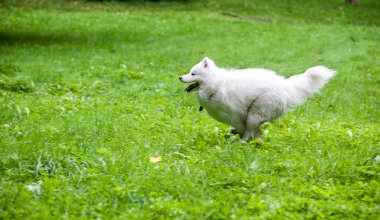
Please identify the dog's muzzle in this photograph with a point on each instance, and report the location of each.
(191, 87)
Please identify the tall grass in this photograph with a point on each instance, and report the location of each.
(89, 94)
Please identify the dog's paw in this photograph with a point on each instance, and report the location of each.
(234, 131)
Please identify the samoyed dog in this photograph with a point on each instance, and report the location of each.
(246, 98)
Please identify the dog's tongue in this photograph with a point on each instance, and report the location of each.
(192, 87)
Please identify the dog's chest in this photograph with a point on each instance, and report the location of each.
(208, 98)
(219, 106)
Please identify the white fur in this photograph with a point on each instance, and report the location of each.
(247, 98)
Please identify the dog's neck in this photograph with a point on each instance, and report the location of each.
(212, 84)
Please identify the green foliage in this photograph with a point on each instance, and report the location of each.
(89, 94)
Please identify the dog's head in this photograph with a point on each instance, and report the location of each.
(199, 74)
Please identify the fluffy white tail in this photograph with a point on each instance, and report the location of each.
(304, 85)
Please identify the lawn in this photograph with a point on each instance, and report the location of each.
(94, 123)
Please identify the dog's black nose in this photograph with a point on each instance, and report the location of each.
(180, 78)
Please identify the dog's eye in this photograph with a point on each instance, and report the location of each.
(192, 74)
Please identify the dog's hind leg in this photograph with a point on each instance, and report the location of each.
(253, 119)
(258, 133)
(252, 129)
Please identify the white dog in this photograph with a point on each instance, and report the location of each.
(247, 98)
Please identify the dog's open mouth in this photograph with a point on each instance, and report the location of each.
(192, 87)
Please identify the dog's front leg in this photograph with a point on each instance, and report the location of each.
(234, 131)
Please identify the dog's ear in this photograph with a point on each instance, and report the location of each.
(206, 62)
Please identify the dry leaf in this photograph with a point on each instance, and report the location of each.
(155, 159)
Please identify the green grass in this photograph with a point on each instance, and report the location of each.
(89, 92)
